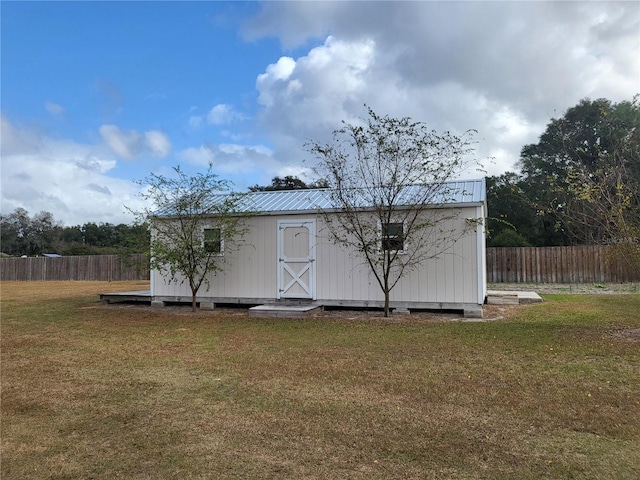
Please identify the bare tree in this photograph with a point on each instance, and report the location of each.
(385, 177)
(194, 222)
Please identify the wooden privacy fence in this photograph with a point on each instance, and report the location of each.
(86, 267)
(584, 264)
(581, 264)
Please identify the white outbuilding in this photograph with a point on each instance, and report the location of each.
(287, 257)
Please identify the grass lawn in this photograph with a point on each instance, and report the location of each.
(93, 391)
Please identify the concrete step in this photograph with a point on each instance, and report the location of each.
(283, 310)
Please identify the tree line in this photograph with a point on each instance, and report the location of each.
(23, 234)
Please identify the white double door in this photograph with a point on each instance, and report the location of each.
(297, 259)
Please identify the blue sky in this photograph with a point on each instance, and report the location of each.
(95, 95)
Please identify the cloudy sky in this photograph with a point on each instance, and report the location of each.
(97, 95)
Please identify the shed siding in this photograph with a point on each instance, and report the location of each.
(251, 270)
(248, 271)
(451, 278)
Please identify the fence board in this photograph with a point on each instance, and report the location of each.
(86, 267)
(577, 264)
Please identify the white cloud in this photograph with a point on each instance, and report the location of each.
(158, 143)
(53, 108)
(221, 114)
(300, 171)
(202, 155)
(124, 144)
(502, 68)
(130, 144)
(276, 72)
(15, 139)
(71, 180)
(317, 90)
(230, 158)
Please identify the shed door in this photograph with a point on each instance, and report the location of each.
(296, 259)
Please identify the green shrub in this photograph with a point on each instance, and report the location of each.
(509, 238)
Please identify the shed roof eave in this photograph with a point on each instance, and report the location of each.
(315, 211)
(364, 209)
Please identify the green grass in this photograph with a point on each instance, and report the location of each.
(97, 391)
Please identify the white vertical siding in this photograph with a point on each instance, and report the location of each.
(450, 278)
(249, 270)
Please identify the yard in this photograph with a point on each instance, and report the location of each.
(94, 391)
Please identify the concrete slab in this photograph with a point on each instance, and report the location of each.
(283, 311)
(502, 298)
(507, 297)
(136, 296)
(529, 297)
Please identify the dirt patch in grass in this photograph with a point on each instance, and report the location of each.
(118, 391)
(628, 334)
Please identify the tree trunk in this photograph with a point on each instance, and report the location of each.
(193, 301)
(386, 295)
(385, 276)
(386, 303)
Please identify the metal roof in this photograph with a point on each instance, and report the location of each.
(451, 193)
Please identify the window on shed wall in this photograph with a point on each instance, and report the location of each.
(213, 240)
(392, 237)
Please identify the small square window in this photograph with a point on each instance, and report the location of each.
(393, 237)
(213, 240)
